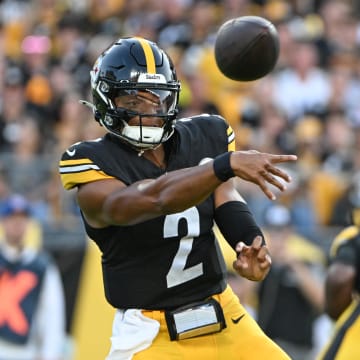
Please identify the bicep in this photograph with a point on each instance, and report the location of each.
(111, 202)
(92, 196)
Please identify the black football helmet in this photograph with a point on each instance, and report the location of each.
(130, 65)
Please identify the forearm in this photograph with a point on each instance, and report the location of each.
(172, 192)
(237, 223)
(181, 189)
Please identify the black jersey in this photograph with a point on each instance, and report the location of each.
(170, 260)
(346, 249)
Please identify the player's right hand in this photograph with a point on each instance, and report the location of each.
(260, 169)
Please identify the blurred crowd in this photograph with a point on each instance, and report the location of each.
(309, 105)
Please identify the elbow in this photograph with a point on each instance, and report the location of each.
(113, 214)
(168, 203)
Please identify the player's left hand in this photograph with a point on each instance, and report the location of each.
(253, 262)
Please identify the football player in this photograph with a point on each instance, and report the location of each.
(149, 192)
(342, 289)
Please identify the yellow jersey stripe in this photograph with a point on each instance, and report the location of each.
(70, 180)
(231, 139)
(149, 56)
(75, 162)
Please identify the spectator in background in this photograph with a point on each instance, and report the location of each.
(27, 168)
(32, 318)
(269, 129)
(349, 199)
(291, 297)
(303, 87)
(199, 103)
(338, 144)
(13, 105)
(172, 25)
(308, 134)
(339, 27)
(345, 86)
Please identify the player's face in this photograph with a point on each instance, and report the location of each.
(143, 102)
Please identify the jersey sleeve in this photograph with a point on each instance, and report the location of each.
(222, 123)
(218, 132)
(77, 167)
(343, 248)
(231, 138)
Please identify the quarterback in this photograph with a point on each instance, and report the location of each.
(149, 192)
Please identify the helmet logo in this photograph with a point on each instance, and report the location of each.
(94, 73)
(152, 78)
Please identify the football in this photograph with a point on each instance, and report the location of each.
(246, 48)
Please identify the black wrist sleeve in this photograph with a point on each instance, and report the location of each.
(236, 223)
(222, 167)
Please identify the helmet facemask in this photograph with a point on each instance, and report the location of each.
(117, 119)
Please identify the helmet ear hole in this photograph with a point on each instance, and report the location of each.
(111, 121)
(97, 115)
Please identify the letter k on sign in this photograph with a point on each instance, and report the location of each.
(13, 289)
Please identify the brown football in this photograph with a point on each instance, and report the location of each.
(246, 48)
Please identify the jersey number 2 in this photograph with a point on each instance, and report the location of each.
(177, 273)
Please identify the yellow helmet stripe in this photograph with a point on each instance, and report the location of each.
(149, 56)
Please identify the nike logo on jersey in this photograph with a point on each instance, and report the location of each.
(71, 152)
(235, 321)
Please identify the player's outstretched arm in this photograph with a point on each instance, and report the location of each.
(175, 191)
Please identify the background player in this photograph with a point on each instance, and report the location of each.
(342, 292)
